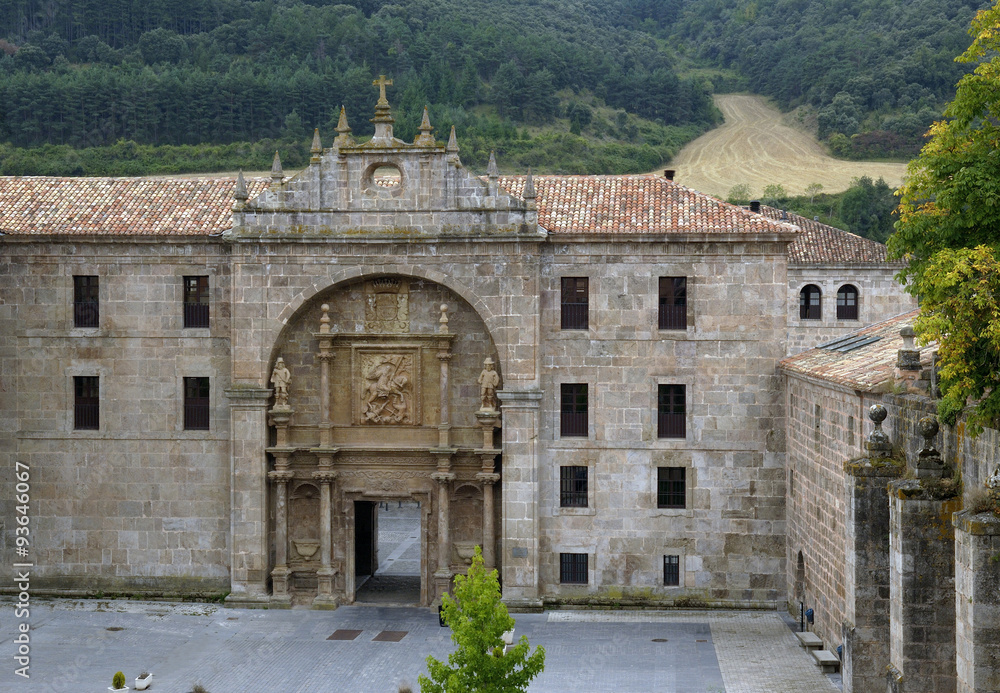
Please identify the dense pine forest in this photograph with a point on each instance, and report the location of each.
(124, 87)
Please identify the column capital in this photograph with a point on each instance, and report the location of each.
(325, 476)
(443, 477)
(488, 478)
(280, 476)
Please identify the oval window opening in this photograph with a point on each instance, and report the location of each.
(386, 177)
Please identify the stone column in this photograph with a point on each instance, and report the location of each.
(922, 578)
(248, 496)
(977, 601)
(279, 575)
(442, 576)
(324, 594)
(444, 357)
(866, 579)
(521, 428)
(325, 362)
(488, 480)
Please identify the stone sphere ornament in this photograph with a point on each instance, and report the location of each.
(877, 413)
(928, 427)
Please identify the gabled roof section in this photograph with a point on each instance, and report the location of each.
(863, 361)
(822, 244)
(635, 205)
(32, 205)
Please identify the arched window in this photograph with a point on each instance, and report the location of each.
(847, 303)
(809, 303)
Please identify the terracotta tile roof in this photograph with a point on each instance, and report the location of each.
(636, 205)
(822, 244)
(118, 206)
(864, 368)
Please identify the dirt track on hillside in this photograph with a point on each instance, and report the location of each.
(754, 147)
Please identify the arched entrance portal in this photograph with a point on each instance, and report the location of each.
(384, 394)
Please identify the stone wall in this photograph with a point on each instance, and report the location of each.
(880, 297)
(139, 505)
(977, 600)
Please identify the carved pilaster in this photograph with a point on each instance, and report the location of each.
(489, 481)
(325, 363)
(279, 576)
(442, 576)
(324, 597)
(444, 357)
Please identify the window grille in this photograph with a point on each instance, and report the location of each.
(673, 303)
(575, 303)
(86, 306)
(195, 301)
(573, 487)
(671, 571)
(671, 487)
(671, 411)
(573, 415)
(573, 568)
(196, 404)
(86, 402)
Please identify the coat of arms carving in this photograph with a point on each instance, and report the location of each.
(387, 305)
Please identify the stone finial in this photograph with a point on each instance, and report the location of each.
(324, 321)
(425, 138)
(443, 322)
(343, 138)
(491, 168)
(281, 377)
(489, 381)
(452, 147)
(929, 463)
(383, 119)
(908, 358)
(277, 175)
(382, 83)
(907, 333)
(317, 147)
(529, 187)
(240, 192)
(878, 444)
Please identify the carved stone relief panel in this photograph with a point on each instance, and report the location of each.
(387, 305)
(387, 386)
(303, 522)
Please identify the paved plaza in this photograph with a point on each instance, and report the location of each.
(76, 646)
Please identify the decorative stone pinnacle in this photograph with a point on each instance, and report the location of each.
(276, 173)
(929, 462)
(317, 146)
(443, 326)
(878, 442)
(491, 169)
(240, 193)
(425, 138)
(324, 322)
(452, 147)
(343, 138)
(529, 187)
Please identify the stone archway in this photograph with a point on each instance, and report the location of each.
(381, 400)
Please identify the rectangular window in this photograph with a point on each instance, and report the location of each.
(195, 301)
(86, 308)
(670, 411)
(573, 568)
(86, 402)
(671, 487)
(573, 413)
(575, 303)
(671, 571)
(196, 405)
(573, 487)
(673, 303)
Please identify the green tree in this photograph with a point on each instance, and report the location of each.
(949, 234)
(478, 620)
(740, 194)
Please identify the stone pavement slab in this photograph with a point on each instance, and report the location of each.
(77, 645)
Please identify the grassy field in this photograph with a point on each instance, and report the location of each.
(753, 146)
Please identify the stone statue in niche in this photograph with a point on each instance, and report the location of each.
(387, 305)
(281, 377)
(489, 381)
(388, 392)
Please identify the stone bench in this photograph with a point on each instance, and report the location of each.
(827, 661)
(810, 641)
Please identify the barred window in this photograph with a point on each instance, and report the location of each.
(86, 402)
(575, 303)
(671, 487)
(671, 411)
(86, 307)
(195, 301)
(671, 571)
(573, 568)
(573, 487)
(573, 411)
(673, 303)
(196, 404)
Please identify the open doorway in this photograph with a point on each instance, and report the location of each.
(387, 552)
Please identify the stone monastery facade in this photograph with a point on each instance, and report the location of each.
(214, 383)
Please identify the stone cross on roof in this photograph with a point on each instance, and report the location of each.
(382, 83)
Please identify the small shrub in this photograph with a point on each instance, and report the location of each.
(198, 688)
(981, 500)
(118, 680)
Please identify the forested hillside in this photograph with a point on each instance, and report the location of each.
(191, 72)
(876, 72)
